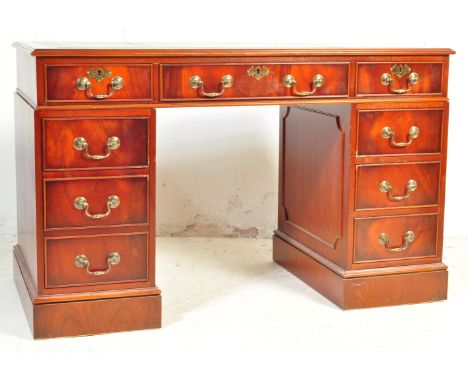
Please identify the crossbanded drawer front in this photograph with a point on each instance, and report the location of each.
(399, 132)
(397, 185)
(211, 82)
(399, 79)
(93, 260)
(98, 83)
(397, 238)
(96, 202)
(95, 142)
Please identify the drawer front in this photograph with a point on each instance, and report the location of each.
(399, 132)
(399, 185)
(98, 83)
(253, 81)
(89, 260)
(95, 143)
(95, 202)
(395, 238)
(399, 79)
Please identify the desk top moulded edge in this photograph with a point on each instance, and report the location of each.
(50, 49)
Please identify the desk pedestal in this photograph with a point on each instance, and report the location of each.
(340, 231)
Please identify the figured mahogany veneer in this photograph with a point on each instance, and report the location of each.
(372, 122)
(369, 79)
(61, 82)
(61, 271)
(337, 230)
(59, 135)
(60, 195)
(175, 80)
(368, 230)
(369, 178)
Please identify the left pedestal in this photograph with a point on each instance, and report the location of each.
(85, 259)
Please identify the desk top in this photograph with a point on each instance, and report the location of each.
(122, 49)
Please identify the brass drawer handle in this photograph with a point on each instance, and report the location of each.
(83, 83)
(408, 238)
(196, 82)
(386, 187)
(82, 261)
(290, 82)
(81, 203)
(80, 144)
(387, 80)
(388, 133)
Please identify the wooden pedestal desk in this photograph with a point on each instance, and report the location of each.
(363, 149)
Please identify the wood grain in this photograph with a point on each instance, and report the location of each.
(60, 196)
(59, 135)
(368, 230)
(371, 123)
(77, 317)
(99, 316)
(61, 270)
(332, 157)
(368, 79)
(28, 210)
(175, 80)
(313, 177)
(369, 177)
(362, 292)
(131, 49)
(61, 83)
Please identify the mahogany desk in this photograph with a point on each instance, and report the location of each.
(361, 187)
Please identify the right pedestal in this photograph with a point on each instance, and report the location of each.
(361, 196)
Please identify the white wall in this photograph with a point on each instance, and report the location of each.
(217, 167)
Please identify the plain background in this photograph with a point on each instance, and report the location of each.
(217, 168)
(223, 162)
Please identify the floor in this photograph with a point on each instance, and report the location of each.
(227, 294)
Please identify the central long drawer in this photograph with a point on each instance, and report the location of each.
(204, 82)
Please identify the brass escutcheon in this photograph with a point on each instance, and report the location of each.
(258, 72)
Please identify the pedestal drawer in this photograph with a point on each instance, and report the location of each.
(98, 82)
(93, 260)
(184, 82)
(80, 143)
(397, 185)
(399, 131)
(96, 202)
(380, 239)
(399, 79)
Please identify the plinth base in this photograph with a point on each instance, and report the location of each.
(362, 292)
(85, 317)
